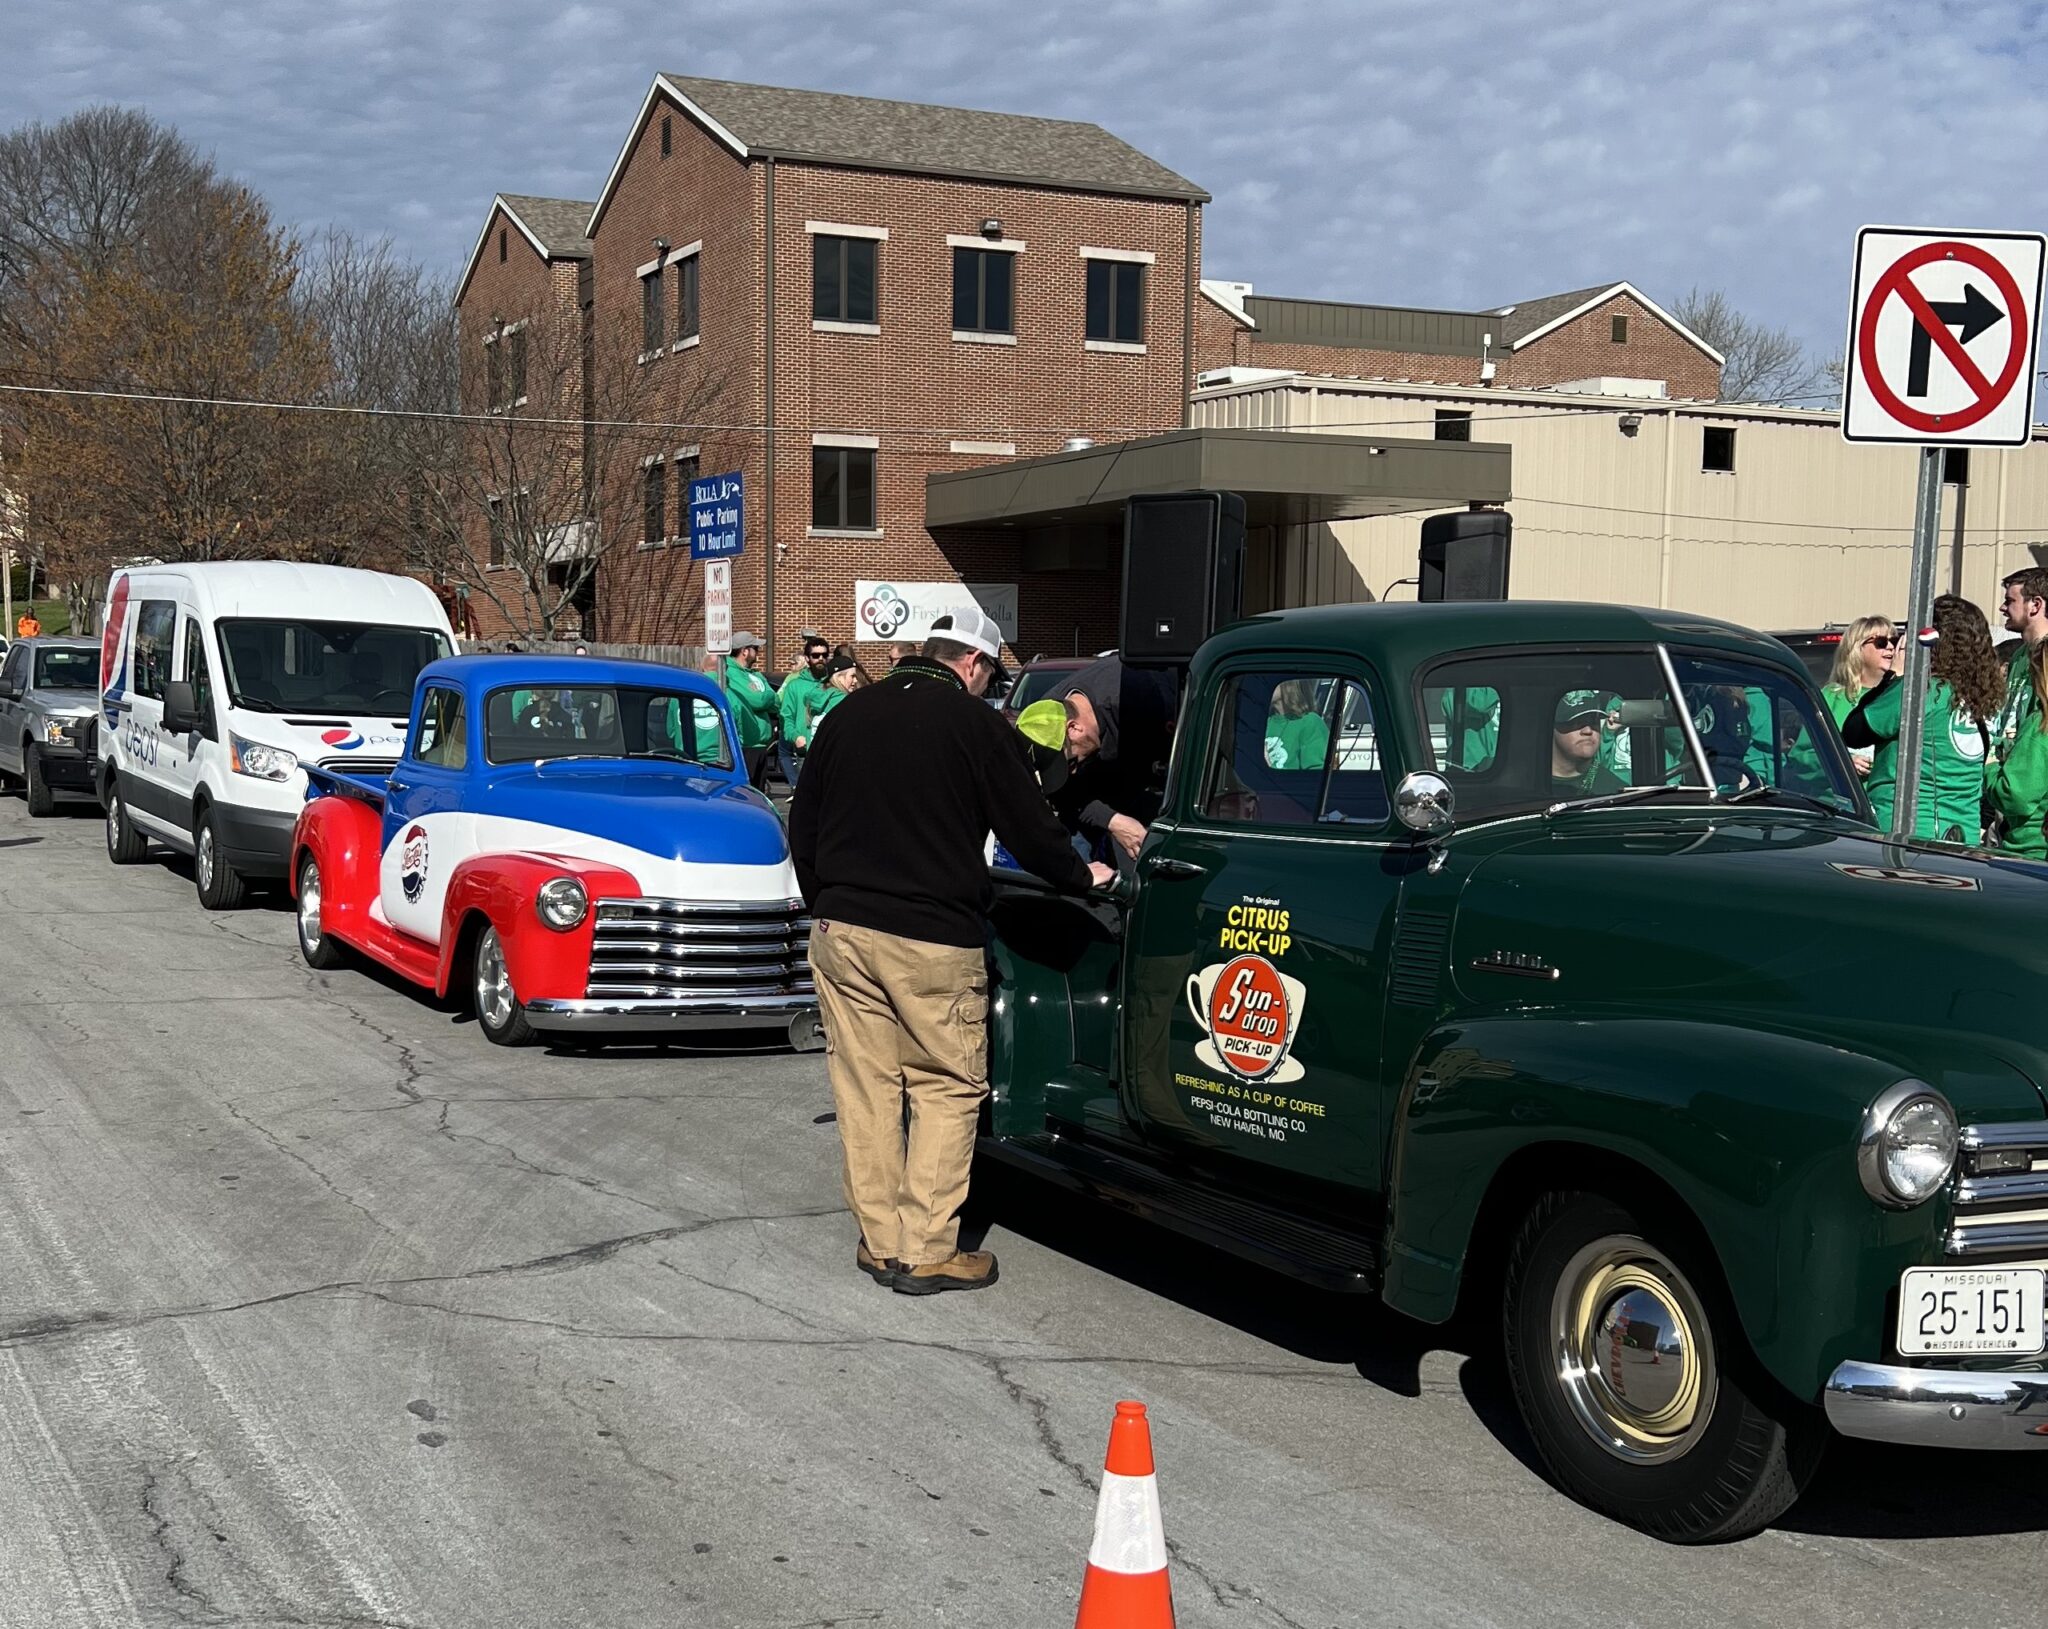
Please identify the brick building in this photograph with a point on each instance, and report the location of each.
(1610, 332)
(835, 297)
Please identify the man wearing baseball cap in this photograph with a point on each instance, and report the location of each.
(753, 703)
(888, 830)
(1577, 734)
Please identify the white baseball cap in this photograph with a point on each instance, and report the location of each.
(972, 627)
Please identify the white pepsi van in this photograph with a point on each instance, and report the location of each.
(219, 680)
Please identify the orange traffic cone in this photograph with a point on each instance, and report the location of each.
(1126, 1585)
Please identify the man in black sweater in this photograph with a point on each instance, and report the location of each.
(888, 830)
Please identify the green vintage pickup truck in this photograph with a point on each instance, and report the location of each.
(1546, 956)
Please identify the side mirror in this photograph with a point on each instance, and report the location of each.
(181, 707)
(1423, 803)
(10, 690)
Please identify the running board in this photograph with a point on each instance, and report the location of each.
(1313, 1252)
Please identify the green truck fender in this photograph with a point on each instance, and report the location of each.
(1752, 1133)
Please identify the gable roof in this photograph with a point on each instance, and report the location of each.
(865, 132)
(554, 226)
(1530, 320)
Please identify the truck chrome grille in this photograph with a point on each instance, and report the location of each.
(354, 763)
(671, 949)
(2001, 1192)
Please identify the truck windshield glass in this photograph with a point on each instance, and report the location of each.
(1762, 730)
(531, 724)
(67, 669)
(292, 666)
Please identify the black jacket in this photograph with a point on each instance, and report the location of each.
(892, 813)
(1134, 713)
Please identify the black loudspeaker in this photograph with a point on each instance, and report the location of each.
(1183, 573)
(1465, 557)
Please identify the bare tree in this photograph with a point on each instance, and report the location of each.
(1760, 364)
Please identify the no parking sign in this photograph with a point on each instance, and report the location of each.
(1943, 331)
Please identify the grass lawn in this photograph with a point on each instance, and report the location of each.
(54, 615)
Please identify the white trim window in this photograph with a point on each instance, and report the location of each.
(843, 484)
(688, 262)
(654, 531)
(985, 289)
(653, 319)
(845, 281)
(1115, 316)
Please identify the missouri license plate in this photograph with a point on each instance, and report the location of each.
(1970, 1309)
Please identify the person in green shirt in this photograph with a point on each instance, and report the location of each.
(753, 702)
(1965, 689)
(1868, 651)
(1296, 737)
(1579, 734)
(802, 694)
(842, 677)
(2017, 785)
(1471, 726)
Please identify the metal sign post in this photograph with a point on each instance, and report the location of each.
(1919, 613)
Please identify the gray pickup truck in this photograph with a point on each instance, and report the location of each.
(49, 689)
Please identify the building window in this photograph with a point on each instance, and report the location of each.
(501, 245)
(494, 375)
(686, 298)
(843, 279)
(666, 147)
(654, 504)
(688, 466)
(1617, 330)
(650, 310)
(843, 488)
(983, 280)
(1717, 448)
(1116, 301)
(495, 556)
(1955, 466)
(1453, 425)
(515, 367)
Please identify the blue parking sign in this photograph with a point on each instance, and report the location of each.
(717, 517)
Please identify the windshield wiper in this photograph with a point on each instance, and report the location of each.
(1805, 800)
(255, 704)
(1628, 794)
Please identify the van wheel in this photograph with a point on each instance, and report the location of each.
(319, 948)
(1630, 1372)
(125, 845)
(220, 885)
(498, 1012)
(41, 800)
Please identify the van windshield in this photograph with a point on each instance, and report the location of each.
(294, 666)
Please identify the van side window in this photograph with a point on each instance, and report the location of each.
(197, 675)
(441, 737)
(1294, 749)
(155, 622)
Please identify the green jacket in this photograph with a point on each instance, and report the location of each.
(2017, 784)
(1951, 763)
(802, 698)
(1297, 743)
(2019, 700)
(753, 703)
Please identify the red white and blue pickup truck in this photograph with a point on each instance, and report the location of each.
(571, 841)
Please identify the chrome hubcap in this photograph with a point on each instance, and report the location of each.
(1635, 1357)
(309, 907)
(113, 822)
(493, 983)
(205, 856)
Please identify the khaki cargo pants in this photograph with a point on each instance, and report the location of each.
(906, 1024)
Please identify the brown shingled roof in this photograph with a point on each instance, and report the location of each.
(557, 222)
(864, 131)
(1524, 317)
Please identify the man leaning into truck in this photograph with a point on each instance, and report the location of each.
(888, 830)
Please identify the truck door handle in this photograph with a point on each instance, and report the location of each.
(1163, 865)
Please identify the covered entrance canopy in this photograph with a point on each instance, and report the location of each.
(1068, 508)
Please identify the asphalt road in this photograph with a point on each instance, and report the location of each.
(316, 1309)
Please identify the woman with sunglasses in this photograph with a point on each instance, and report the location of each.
(1866, 654)
(1965, 688)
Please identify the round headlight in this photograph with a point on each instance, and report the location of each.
(562, 903)
(1909, 1144)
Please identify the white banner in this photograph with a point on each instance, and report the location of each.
(905, 611)
(718, 606)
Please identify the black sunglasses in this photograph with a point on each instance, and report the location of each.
(1882, 641)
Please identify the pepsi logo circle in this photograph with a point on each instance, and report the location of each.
(342, 740)
(412, 864)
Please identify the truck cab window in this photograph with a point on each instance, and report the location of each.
(1294, 749)
(441, 735)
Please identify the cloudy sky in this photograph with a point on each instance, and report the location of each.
(1404, 151)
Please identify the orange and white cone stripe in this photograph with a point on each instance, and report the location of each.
(1126, 1585)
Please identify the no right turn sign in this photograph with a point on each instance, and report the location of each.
(1943, 329)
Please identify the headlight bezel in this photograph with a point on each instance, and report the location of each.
(1874, 1147)
(259, 760)
(566, 918)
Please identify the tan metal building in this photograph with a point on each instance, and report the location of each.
(1760, 514)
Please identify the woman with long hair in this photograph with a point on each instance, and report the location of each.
(1868, 651)
(2017, 786)
(1965, 688)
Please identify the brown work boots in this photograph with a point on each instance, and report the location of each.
(967, 1270)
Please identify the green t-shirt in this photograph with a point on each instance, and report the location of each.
(753, 703)
(800, 700)
(1297, 743)
(1951, 764)
(1471, 727)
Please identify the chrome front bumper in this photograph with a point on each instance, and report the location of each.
(798, 1014)
(1940, 1408)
